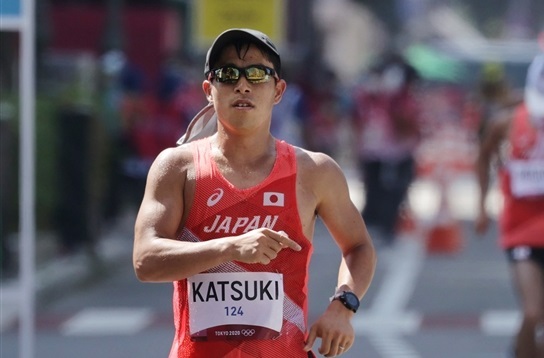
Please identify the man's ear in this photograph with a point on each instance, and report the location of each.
(280, 89)
(207, 88)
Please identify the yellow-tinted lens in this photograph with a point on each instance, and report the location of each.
(256, 75)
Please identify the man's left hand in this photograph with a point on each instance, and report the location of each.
(335, 330)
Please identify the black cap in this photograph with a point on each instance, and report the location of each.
(231, 35)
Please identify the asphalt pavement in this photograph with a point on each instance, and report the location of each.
(425, 302)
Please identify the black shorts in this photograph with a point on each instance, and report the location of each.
(522, 253)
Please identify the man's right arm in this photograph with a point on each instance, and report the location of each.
(159, 257)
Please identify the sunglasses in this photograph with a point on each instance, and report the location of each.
(231, 74)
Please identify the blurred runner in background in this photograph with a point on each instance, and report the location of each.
(515, 140)
(493, 94)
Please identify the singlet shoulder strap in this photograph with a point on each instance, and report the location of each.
(202, 157)
(286, 154)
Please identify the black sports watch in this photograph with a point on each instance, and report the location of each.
(348, 299)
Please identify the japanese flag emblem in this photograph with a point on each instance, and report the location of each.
(273, 199)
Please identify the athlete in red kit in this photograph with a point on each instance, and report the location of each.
(516, 140)
(229, 217)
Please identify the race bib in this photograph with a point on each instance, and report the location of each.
(235, 305)
(527, 178)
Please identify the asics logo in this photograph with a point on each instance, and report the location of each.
(215, 197)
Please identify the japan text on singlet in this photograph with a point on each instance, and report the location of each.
(522, 182)
(236, 309)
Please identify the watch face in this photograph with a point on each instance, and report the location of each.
(351, 299)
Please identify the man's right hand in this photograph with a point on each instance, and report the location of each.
(260, 245)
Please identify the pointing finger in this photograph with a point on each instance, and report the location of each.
(285, 240)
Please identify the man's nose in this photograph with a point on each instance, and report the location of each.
(243, 84)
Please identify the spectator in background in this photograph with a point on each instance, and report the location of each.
(179, 98)
(124, 110)
(172, 77)
(322, 111)
(386, 127)
(515, 140)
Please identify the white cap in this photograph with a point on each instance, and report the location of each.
(203, 125)
(534, 87)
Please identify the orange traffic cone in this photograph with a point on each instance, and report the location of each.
(445, 238)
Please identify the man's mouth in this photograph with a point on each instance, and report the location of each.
(242, 104)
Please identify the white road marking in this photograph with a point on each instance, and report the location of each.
(392, 347)
(372, 324)
(398, 285)
(387, 319)
(108, 321)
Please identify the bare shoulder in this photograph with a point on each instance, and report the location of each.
(318, 169)
(315, 162)
(172, 162)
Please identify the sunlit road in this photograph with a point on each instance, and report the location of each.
(421, 305)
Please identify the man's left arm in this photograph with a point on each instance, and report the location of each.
(344, 222)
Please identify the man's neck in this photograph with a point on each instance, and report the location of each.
(244, 163)
(243, 149)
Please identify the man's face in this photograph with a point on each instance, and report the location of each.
(243, 106)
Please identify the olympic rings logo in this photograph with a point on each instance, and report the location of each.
(248, 332)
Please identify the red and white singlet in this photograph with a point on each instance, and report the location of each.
(237, 309)
(522, 184)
